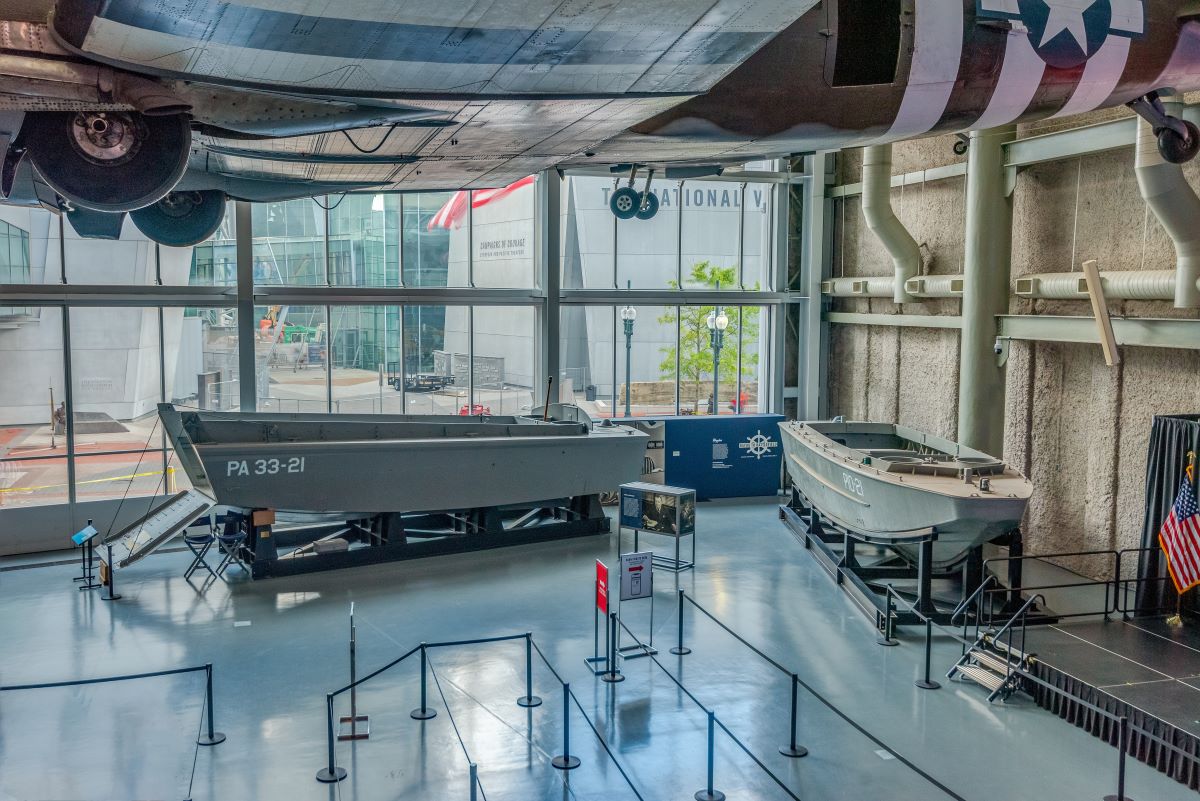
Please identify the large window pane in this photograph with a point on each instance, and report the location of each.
(425, 250)
(289, 242)
(204, 347)
(757, 234)
(588, 234)
(365, 360)
(712, 218)
(214, 261)
(364, 240)
(646, 361)
(33, 445)
(435, 364)
(586, 356)
(502, 235)
(291, 350)
(648, 250)
(505, 359)
(753, 329)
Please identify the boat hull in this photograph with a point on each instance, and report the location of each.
(366, 466)
(895, 510)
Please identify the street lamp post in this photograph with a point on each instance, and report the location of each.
(717, 322)
(628, 315)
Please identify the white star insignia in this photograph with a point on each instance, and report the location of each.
(1067, 15)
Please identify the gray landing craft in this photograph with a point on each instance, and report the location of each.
(370, 464)
(894, 485)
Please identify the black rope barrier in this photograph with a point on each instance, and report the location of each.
(591, 725)
(735, 635)
(471, 764)
(126, 677)
(835, 710)
(373, 674)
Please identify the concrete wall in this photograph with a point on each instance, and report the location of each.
(1077, 427)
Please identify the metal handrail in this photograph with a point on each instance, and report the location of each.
(977, 596)
(1022, 614)
(962, 607)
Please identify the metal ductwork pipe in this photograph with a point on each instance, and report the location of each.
(881, 219)
(1176, 206)
(936, 286)
(1118, 285)
(865, 287)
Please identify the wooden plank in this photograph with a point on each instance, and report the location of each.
(1108, 340)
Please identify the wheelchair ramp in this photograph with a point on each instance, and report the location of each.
(162, 523)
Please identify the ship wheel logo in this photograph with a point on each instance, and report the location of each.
(759, 445)
(1066, 33)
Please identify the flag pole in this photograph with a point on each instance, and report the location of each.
(1177, 618)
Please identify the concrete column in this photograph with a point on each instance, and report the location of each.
(985, 294)
(247, 325)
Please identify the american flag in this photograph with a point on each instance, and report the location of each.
(1180, 539)
(454, 212)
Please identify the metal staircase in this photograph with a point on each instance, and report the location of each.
(997, 659)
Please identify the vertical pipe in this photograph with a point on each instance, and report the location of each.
(247, 369)
(882, 220)
(985, 292)
(550, 188)
(69, 407)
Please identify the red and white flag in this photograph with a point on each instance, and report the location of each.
(454, 212)
(1180, 539)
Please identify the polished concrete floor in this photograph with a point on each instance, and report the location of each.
(278, 646)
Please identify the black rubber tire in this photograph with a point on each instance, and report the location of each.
(649, 206)
(182, 218)
(1177, 150)
(625, 203)
(145, 177)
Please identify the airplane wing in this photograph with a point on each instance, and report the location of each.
(382, 48)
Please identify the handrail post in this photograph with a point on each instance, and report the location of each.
(679, 649)
(565, 761)
(528, 699)
(928, 683)
(709, 794)
(889, 612)
(792, 749)
(424, 713)
(331, 773)
(213, 737)
(612, 674)
(1123, 745)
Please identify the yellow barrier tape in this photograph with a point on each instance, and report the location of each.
(170, 476)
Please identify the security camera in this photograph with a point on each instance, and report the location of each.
(998, 347)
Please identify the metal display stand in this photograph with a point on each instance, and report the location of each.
(87, 556)
(659, 509)
(646, 564)
(353, 726)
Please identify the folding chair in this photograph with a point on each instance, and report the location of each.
(199, 545)
(230, 543)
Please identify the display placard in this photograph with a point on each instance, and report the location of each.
(83, 535)
(637, 575)
(658, 509)
(602, 586)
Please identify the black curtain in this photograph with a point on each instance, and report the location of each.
(1171, 437)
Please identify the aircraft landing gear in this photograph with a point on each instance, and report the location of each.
(1178, 139)
(627, 203)
(182, 218)
(108, 160)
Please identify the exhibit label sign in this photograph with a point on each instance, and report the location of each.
(602, 586)
(658, 509)
(637, 575)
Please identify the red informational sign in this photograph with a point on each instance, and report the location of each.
(602, 586)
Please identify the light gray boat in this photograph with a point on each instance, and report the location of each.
(896, 485)
(373, 464)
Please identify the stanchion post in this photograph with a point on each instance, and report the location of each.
(566, 761)
(112, 579)
(424, 713)
(357, 731)
(679, 649)
(213, 737)
(709, 794)
(474, 780)
(1123, 745)
(928, 683)
(613, 674)
(889, 612)
(529, 699)
(331, 773)
(792, 749)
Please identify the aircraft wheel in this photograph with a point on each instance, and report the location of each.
(182, 218)
(1176, 149)
(108, 160)
(625, 203)
(649, 206)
